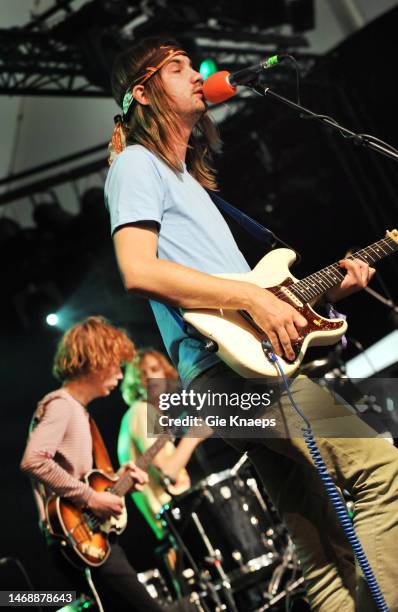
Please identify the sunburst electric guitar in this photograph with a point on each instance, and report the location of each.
(82, 535)
(239, 341)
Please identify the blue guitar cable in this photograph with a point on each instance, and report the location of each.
(332, 491)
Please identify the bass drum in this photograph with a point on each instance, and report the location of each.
(224, 518)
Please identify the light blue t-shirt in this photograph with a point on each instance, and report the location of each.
(192, 232)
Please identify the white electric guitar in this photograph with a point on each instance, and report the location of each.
(238, 340)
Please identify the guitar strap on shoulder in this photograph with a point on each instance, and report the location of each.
(100, 454)
(253, 227)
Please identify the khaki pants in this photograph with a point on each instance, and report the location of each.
(361, 463)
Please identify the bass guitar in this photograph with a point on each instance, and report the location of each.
(84, 538)
(237, 339)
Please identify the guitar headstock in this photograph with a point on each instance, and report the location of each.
(393, 234)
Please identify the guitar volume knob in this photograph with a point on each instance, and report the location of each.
(211, 346)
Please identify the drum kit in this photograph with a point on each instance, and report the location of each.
(235, 554)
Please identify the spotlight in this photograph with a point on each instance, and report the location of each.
(52, 319)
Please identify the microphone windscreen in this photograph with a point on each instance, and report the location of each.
(216, 88)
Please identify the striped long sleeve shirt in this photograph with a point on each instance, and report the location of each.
(59, 451)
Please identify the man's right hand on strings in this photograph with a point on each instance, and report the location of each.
(279, 320)
(104, 504)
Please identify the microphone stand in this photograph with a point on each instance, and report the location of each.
(366, 140)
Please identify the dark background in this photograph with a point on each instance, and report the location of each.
(317, 191)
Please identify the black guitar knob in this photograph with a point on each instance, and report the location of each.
(211, 346)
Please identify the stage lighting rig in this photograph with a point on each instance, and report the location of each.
(67, 52)
(57, 51)
(255, 15)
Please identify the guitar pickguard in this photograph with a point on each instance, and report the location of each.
(316, 323)
(239, 343)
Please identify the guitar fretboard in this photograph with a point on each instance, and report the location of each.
(313, 286)
(125, 483)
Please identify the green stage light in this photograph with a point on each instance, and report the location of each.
(207, 68)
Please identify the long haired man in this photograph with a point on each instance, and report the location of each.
(170, 240)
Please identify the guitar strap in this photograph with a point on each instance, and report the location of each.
(100, 454)
(253, 227)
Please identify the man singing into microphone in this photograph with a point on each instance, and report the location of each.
(170, 239)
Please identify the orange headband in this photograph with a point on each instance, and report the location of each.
(148, 73)
(164, 54)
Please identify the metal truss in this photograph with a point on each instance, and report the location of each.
(65, 52)
(59, 53)
(35, 63)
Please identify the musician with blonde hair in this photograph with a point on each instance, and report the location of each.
(60, 448)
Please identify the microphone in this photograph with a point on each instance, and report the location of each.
(222, 85)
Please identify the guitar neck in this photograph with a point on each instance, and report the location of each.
(125, 482)
(313, 286)
(145, 460)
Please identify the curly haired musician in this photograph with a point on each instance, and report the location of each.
(169, 240)
(59, 452)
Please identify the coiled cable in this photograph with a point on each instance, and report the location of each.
(331, 490)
